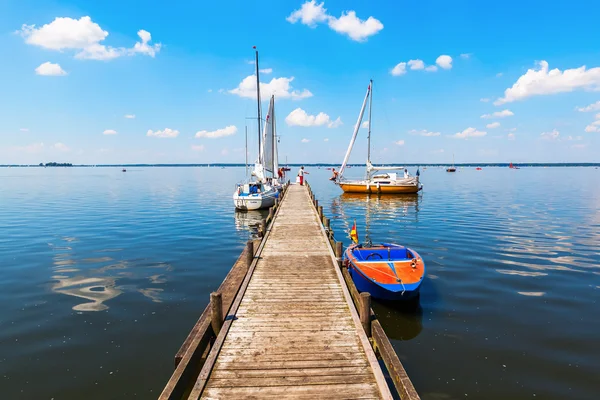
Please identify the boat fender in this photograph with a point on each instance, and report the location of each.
(378, 188)
(239, 190)
(413, 263)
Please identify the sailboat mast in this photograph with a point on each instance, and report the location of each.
(258, 105)
(246, 152)
(369, 137)
(274, 137)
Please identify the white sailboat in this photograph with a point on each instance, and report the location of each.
(260, 191)
(376, 180)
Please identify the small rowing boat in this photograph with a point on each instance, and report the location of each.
(386, 271)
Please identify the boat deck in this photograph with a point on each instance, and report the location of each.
(296, 333)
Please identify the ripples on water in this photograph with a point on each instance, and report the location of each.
(103, 274)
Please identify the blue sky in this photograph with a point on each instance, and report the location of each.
(73, 70)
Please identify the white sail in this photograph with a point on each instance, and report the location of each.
(268, 142)
(356, 128)
(275, 152)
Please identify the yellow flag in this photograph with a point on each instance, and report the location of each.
(354, 233)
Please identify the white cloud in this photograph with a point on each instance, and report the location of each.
(24, 130)
(109, 132)
(266, 71)
(493, 125)
(466, 56)
(424, 132)
(484, 100)
(129, 116)
(431, 68)
(400, 142)
(223, 90)
(311, 13)
(575, 138)
(592, 107)
(399, 69)
(513, 129)
(166, 133)
(468, 133)
(326, 140)
(197, 147)
(416, 64)
(511, 136)
(444, 62)
(227, 131)
(49, 69)
(594, 126)
(305, 140)
(83, 35)
(357, 29)
(60, 147)
(550, 135)
(335, 124)
(280, 87)
(365, 124)
(299, 117)
(545, 82)
(499, 114)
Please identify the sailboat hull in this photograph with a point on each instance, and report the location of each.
(382, 188)
(254, 201)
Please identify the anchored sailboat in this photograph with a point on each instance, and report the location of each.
(260, 191)
(376, 180)
(452, 168)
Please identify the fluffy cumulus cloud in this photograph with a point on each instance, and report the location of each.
(312, 13)
(305, 140)
(551, 136)
(592, 107)
(400, 142)
(493, 125)
(129, 116)
(399, 69)
(543, 81)
(416, 64)
(444, 61)
(166, 133)
(594, 126)
(499, 114)
(424, 132)
(365, 124)
(227, 131)
(299, 117)
(279, 87)
(469, 133)
(49, 69)
(109, 132)
(84, 37)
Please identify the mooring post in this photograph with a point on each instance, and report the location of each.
(320, 213)
(216, 309)
(339, 249)
(249, 253)
(271, 213)
(316, 203)
(263, 227)
(276, 202)
(327, 224)
(365, 312)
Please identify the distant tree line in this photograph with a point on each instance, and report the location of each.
(55, 164)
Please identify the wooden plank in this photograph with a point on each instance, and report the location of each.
(292, 364)
(346, 391)
(250, 373)
(291, 380)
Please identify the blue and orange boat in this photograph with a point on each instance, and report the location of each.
(386, 271)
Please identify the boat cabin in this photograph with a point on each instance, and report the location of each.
(251, 188)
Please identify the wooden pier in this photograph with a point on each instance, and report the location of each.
(288, 322)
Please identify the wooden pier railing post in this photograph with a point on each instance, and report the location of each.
(263, 227)
(327, 223)
(249, 253)
(216, 309)
(271, 213)
(365, 312)
(320, 208)
(339, 249)
(316, 204)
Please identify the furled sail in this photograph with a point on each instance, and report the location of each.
(356, 128)
(268, 139)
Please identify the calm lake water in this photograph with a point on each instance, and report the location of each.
(103, 274)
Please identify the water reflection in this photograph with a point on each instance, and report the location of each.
(249, 221)
(401, 320)
(98, 285)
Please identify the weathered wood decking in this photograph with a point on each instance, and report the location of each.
(291, 327)
(296, 332)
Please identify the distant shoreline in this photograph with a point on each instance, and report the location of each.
(314, 165)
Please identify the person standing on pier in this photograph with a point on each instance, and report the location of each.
(301, 173)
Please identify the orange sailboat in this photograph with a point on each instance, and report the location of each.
(377, 180)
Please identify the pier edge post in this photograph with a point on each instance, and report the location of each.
(263, 227)
(249, 253)
(316, 204)
(320, 212)
(339, 249)
(216, 308)
(365, 312)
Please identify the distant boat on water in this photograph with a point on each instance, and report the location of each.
(124, 170)
(478, 169)
(452, 168)
(511, 166)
